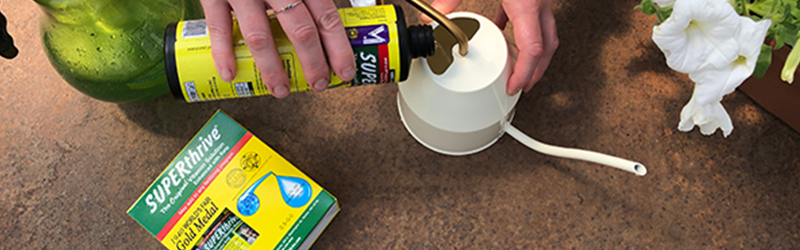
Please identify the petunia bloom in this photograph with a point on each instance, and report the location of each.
(718, 49)
(712, 83)
(708, 118)
(698, 32)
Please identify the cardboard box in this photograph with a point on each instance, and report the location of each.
(228, 190)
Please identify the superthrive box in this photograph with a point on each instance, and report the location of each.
(228, 190)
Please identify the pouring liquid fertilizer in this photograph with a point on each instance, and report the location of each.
(382, 45)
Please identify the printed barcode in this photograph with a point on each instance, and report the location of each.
(191, 91)
(192, 29)
(244, 89)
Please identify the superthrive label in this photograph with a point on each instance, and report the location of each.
(372, 32)
(195, 203)
(375, 44)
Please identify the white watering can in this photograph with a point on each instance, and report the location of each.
(463, 108)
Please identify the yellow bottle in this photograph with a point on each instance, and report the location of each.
(382, 44)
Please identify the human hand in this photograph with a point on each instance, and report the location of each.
(535, 34)
(308, 26)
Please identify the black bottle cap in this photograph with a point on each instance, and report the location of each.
(7, 48)
(421, 41)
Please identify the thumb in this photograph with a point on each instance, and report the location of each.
(444, 6)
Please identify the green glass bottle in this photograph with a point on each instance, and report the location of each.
(112, 50)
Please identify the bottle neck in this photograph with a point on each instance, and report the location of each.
(421, 41)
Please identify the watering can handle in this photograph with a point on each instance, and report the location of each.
(434, 14)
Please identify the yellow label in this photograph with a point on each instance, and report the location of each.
(228, 190)
(232, 182)
(199, 80)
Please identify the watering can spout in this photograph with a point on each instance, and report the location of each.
(434, 14)
(578, 154)
(459, 105)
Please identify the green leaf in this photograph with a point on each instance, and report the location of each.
(779, 37)
(788, 25)
(786, 12)
(773, 29)
(666, 12)
(795, 13)
(647, 7)
(763, 7)
(790, 35)
(663, 14)
(776, 7)
(764, 60)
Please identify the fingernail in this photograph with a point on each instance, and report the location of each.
(280, 91)
(321, 85)
(226, 75)
(349, 74)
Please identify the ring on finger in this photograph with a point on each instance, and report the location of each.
(288, 7)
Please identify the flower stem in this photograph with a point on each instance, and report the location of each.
(742, 6)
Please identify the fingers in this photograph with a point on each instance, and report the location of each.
(219, 23)
(550, 37)
(254, 24)
(334, 38)
(307, 27)
(301, 29)
(444, 6)
(528, 36)
(534, 30)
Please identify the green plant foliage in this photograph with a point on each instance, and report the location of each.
(650, 8)
(647, 7)
(785, 28)
(764, 60)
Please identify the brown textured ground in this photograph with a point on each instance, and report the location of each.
(70, 166)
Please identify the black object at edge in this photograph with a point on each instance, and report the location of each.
(7, 48)
(405, 56)
(169, 62)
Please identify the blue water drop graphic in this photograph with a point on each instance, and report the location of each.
(296, 192)
(248, 204)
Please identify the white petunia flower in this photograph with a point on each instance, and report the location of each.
(715, 82)
(712, 83)
(698, 32)
(708, 118)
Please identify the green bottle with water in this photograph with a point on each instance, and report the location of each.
(112, 50)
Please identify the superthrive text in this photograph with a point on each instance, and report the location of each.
(182, 169)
